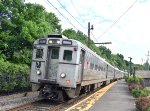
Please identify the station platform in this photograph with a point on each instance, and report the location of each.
(117, 98)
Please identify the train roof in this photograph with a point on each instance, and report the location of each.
(57, 36)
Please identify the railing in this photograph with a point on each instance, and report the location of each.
(143, 73)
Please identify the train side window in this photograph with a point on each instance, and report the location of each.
(99, 68)
(91, 65)
(81, 57)
(39, 53)
(96, 67)
(55, 54)
(67, 55)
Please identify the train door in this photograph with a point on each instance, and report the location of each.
(81, 65)
(53, 60)
(38, 63)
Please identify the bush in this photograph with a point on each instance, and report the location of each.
(135, 79)
(135, 85)
(140, 93)
(143, 103)
(9, 73)
(148, 109)
(137, 89)
(136, 92)
(145, 92)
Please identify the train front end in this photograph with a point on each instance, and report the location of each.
(54, 69)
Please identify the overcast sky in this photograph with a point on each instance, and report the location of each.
(125, 23)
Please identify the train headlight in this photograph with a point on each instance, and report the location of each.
(62, 75)
(38, 72)
(50, 41)
(58, 41)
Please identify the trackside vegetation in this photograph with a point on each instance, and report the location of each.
(137, 89)
(20, 25)
(13, 77)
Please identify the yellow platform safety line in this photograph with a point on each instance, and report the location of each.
(88, 102)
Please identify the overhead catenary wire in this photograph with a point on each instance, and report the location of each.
(118, 18)
(94, 37)
(74, 18)
(79, 15)
(62, 15)
(75, 8)
(70, 14)
(67, 18)
(114, 21)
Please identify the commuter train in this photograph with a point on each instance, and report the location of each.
(65, 67)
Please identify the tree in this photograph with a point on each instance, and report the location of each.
(120, 61)
(138, 67)
(21, 25)
(146, 66)
(105, 52)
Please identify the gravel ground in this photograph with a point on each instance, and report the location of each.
(14, 100)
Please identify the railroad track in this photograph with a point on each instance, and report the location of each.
(48, 105)
(42, 105)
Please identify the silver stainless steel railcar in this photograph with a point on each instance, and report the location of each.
(65, 66)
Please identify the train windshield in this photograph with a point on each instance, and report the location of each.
(67, 55)
(55, 53)
(39, 53)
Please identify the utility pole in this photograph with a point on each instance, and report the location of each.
(130, 65)
(103, 43)
(148, 60)
(134, 72)
(90, 27)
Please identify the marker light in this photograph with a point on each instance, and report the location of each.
(38, 72)
(62, 75)
(58, 41)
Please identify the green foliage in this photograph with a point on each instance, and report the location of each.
(140, 93)
(148, 109)
(21, 25)
(132, 79)
(136, 92)
(138, 67)
(8, 74)
(72, 34)
(8, 68)
(106, 53)
(146, 66)
(136, 87)
(145, 92)
(23, 56)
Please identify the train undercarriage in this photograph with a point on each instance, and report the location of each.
(56, 93)
(52, 92)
